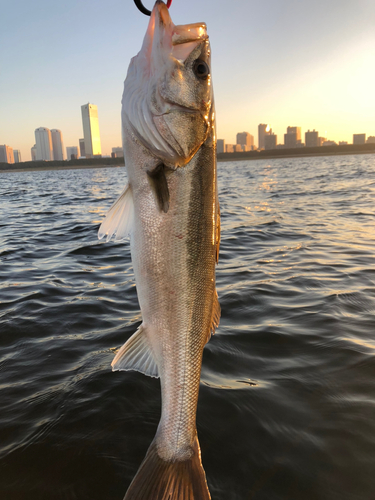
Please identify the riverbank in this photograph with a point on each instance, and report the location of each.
(70, 167)
(298, 155)
(349, 149)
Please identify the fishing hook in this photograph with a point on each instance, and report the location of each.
(143, 9)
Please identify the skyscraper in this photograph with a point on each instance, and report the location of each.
(82, 151)
(294, 130)
(270, 141)
(246, 140)
(57, 145)
(43, 140)
(33, 153)
(6, 154)
(312, 139)
(91, 134)
(263, 130)
(17, 155)
(292, 137)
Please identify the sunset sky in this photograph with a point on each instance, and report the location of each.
(282, 62)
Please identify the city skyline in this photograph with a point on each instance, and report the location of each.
(280, 63)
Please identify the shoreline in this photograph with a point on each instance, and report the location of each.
(68, 167)
(219, 160)
(298, 155)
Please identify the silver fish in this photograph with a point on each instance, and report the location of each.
(170, 209)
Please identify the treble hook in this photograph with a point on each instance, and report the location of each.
(143, 9)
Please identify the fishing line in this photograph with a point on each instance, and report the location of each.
(143, 9)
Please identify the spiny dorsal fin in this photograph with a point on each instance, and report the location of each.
(159, 185)
(119, 218)
(136, 354)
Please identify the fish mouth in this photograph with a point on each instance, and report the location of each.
(180, 39)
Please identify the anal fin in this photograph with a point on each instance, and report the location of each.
(136, 354)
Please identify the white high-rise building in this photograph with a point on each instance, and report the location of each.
(57, 145)
(43, 139)
(91, 131)
(33, 153)
(6, 154)
(17, 155)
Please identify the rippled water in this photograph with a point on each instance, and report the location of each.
(287, 398)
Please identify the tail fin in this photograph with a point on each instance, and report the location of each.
(157, 479)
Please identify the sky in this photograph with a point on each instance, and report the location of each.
(281, 62)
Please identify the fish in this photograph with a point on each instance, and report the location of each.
(170, 209)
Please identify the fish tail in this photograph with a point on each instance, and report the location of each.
(158, 479)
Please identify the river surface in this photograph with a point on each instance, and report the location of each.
(287, 399)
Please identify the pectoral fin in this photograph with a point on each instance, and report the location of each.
(119, 218)
(159, 186)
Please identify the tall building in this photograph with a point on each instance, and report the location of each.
(91, 131)
(220, 146)
(270, 141)
(57, 145)
(6, 154)
(292, 137)
(117, 152)
(294, 130)
(312, 139)
(370, 140)
(359, 138)
(82, 151)
(33, 153)
(263, 130)
(17, 156)
(245, 139)
(72, 152)
(43, 140)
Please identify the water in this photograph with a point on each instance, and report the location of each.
(287, 398)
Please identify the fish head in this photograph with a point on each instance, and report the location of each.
(168, 99)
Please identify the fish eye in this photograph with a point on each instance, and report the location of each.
(201, 69)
